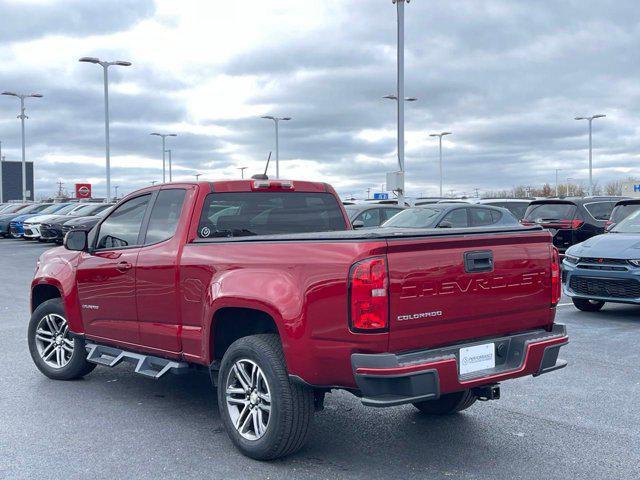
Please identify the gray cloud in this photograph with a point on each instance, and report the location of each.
(506, 77)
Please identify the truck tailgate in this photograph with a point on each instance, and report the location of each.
(445, 290)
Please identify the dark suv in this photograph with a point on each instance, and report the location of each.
(571, 220)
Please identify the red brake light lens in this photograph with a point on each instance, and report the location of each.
(368, 295)
(556, 284)
(576, 224)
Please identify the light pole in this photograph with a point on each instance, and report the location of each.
(198, 176)
(400, 94)
(440, 135)
(242, 169)
(115, 196)
(590, 120)
(170, 174)
(105, 67)
(276, 121)
(557, 170)
(22, 118)
(164, 150)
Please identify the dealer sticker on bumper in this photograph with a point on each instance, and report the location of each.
(479, 357)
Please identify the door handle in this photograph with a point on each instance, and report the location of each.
(124, 266)
(478, 261)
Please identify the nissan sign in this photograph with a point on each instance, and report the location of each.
(83, 190)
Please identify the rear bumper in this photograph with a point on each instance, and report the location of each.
(388, 379)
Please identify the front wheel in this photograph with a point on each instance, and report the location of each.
(265, 414)
(447, 404)
(587, 305)
(55, 352)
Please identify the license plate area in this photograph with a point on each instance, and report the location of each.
(476, 358)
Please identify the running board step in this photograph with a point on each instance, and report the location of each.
(147, 365)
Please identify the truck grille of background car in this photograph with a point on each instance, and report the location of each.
(605, 287)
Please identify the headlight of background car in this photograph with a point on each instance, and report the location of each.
(635, 262)
(573, 260)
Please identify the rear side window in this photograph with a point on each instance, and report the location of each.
(390, 212)
(165, 215)
(517, 208)
(551, 211)
(267, 213)
(122, 227)
(457, 218)
(600, 210)
(483, 216)
(370, 218)
(623, 211)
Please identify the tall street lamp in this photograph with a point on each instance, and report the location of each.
(105, 67)
(22, 118)
(115, 196)
(164, 150)
(242, 169)
(557, 170)
(440, 135)
(198, 176)
(276, 121)
(590, 120)
(170, 174)
(400, 94)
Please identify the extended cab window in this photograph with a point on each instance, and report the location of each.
(122, 226)
(266, 213)
(165, 215)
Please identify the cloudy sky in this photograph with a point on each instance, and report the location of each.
(505, 76)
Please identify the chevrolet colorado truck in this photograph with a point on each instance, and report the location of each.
(264, 284)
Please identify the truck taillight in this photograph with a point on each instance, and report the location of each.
(368, 295)
(556, 285)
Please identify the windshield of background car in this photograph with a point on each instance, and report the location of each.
(67, 209)
(600, 210)
(12, 208)
(631, 224)
(414, 218)
(51, 209)
(267, 213)
(623, 211)
(551, 211)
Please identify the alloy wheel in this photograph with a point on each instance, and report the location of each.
(53, 342)
(248, 399)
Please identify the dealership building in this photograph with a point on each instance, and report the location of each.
(11, 181)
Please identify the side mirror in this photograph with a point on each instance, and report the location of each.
(445, 224)
(358, 224)
(76, 240)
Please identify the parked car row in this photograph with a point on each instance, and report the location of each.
(47, 222)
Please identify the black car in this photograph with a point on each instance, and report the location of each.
(369, 215)
(622, 210)
(452, 215)
(571, 220)
(54, 231)
(85, 222)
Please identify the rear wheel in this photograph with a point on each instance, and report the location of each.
(55, 352)
(448, 403)
(587, 305)
(265, 414)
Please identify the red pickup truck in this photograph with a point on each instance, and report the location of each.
(264, 284)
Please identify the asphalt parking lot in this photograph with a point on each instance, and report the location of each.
(580, 422)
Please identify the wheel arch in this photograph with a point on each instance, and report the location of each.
(231, 323)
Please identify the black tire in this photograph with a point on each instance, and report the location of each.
(292, 408)
(447, 404)
(587, 305)
(77, 365)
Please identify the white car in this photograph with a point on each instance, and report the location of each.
(32, 225)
